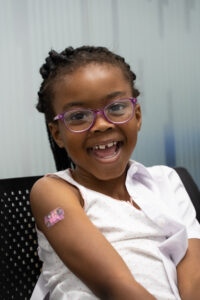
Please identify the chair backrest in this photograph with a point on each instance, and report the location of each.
(19, 262)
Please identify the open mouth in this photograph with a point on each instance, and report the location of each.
(106, 151)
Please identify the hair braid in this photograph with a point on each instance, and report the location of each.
(62, 160)
(65, 62)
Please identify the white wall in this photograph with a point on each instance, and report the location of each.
(159, 38)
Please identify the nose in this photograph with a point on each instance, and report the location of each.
(100, 123)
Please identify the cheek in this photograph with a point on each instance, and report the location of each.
(74, 144)
(131, 133)
(130, 129)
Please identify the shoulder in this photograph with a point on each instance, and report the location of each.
(49, 193)
(168, 181)
(161, 171)
(157, 173)
(46, 186)
(175, 195)
(165, 176)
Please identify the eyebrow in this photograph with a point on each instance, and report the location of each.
(71, 104)
(107, 97)
(115, 94)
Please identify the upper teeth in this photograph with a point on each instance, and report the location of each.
(102, 147)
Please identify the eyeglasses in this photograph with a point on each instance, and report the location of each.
(80, 119)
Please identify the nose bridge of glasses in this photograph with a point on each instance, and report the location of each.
(100, 121)
(101, 114)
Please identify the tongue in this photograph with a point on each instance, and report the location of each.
(104, 153)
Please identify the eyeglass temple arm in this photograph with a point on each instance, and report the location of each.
(58, 117)
(134, 100)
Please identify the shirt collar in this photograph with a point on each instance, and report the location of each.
(138, 170)
(144, 190)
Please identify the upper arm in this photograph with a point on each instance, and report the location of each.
(188, 271)
(79, 244)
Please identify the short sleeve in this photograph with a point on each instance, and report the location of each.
(183, 205)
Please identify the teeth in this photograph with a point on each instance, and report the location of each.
(103, 147)
(110, 145)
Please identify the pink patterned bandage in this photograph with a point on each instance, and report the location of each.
(54, 216)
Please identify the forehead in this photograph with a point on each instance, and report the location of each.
(89, 84)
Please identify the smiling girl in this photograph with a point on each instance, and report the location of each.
(108, 227)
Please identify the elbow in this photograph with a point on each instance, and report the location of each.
(127, 290)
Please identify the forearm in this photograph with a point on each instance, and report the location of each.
(188, 272)
(191, 290)
(129, 291)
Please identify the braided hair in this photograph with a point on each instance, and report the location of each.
(66, 62)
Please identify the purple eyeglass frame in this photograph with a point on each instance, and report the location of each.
(95, 112)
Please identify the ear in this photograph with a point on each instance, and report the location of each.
(55, 132)
(138, 116)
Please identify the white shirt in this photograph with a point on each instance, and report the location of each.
(165, 223)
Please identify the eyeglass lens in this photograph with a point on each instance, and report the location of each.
(78, 120)
(82, 119)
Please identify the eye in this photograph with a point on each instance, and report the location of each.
(77, 116)
(118, 107)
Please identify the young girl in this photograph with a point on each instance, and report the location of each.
(108, 227)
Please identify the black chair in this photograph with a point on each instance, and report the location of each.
(20, 266)
(19, 263)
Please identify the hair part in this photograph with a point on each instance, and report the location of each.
(66, 62)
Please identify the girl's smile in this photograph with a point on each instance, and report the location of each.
(103, 152)
(106, 151)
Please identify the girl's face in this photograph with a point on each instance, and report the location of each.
(94, 86)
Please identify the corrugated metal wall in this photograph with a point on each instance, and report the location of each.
(159, 38)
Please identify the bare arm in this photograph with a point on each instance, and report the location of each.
(188, 271)
(81, 246)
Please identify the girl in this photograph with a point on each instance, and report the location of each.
(108, 228)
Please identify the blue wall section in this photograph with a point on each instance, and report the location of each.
(170, 150)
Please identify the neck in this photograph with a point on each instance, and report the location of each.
(114, 187)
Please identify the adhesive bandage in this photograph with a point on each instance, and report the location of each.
(54, 216)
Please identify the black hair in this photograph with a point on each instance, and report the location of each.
(66, 62)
